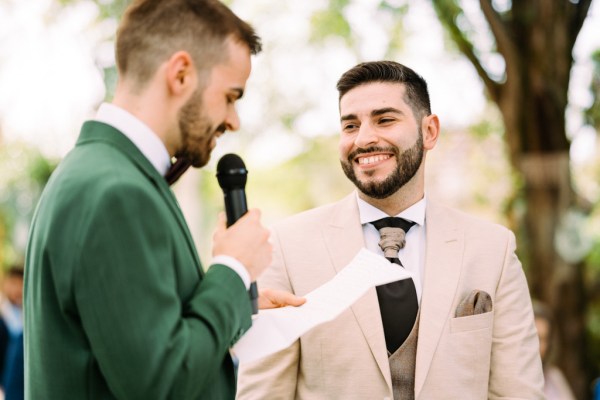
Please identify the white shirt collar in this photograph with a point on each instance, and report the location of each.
(369, 213)
(144, 138)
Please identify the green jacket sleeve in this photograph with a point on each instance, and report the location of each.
(147, 341)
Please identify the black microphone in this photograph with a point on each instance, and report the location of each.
(232, 176)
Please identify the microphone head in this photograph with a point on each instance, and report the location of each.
(231, 172)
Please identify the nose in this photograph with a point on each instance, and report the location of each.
(232, 120)
(366, 136)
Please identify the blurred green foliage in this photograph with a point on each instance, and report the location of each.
(592, 114)
(108, 8)
(310, 179)
(330, 22)
(24, 171)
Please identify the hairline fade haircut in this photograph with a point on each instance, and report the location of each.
(416, 92)
(152, 30)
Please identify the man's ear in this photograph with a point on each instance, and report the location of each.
(181, 74)
(431, 131)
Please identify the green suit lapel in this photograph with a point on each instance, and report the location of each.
(94, 131)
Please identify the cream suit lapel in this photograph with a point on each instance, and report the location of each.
(344, 238)
(443, 262)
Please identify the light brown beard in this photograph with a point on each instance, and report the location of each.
(196, 132)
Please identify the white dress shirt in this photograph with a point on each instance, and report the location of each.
(412, 255)
(150, 145)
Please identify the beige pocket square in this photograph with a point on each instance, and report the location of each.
(477, 302)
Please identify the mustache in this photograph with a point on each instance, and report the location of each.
(221, 128)
(372, 149)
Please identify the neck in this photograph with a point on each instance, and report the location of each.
(144, 104)
(403, 198)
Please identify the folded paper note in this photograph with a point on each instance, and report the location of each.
(274, 330)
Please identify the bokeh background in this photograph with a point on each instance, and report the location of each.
(516, 86)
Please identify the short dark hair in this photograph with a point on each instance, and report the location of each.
(416, 95)
(152, 30)
(15, 270)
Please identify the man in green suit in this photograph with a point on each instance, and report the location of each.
(117, 304)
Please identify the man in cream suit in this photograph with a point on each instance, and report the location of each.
(461, 328)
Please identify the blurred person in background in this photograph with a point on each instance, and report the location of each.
(11, 334)
(556, 386)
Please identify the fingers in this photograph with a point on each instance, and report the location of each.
(289, 299)
(272, 298)
(221, 223)
(220, 229)
(247, 241)
(222, 220)
(254, 214)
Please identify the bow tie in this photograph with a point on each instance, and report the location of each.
(176, 170)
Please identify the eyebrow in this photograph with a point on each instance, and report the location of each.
(386, 110)
(374, 113)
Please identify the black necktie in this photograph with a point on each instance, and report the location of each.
(397, 300)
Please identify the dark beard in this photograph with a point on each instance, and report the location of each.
(407, 165)
(194, 158)
(196, 133)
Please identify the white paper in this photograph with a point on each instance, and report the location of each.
(274, 330)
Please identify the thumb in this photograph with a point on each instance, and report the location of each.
(221, 223)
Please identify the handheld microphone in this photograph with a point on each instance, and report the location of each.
(232, 176)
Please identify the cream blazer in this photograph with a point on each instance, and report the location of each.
(493, 355)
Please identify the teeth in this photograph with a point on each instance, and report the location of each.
(372, 159)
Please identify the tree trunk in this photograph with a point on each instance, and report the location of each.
(536, 39)
(537, 127)
(552, 280)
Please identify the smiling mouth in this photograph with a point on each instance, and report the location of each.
(370, 160)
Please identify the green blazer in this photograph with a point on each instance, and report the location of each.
(117, 305)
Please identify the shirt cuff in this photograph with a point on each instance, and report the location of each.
(235, 265)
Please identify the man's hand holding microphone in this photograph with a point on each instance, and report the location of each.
(241, 235)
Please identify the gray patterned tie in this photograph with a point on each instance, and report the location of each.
(397, 300)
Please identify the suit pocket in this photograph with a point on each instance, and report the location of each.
(469, 341)
(471, 323)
